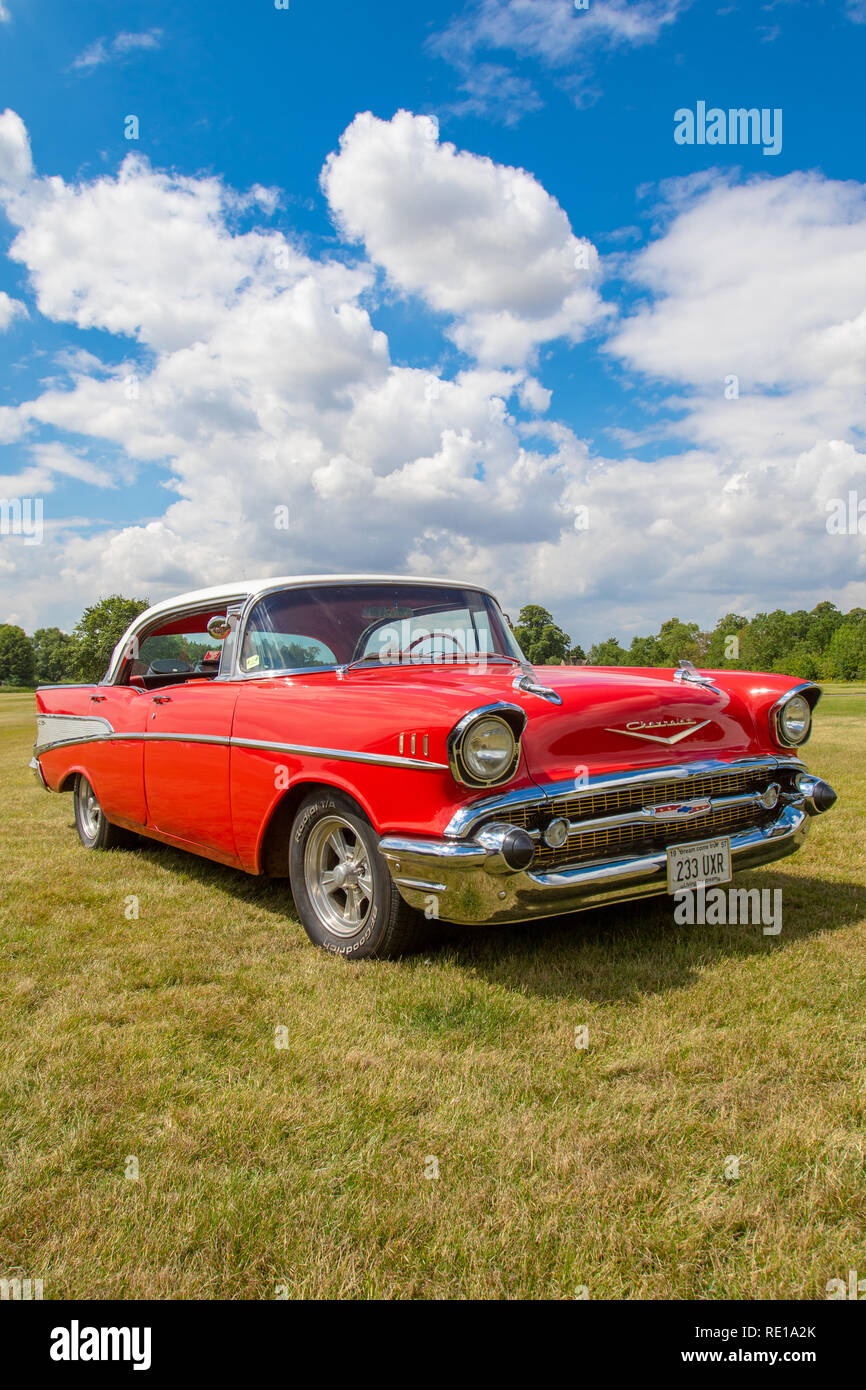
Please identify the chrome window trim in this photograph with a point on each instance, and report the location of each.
(542, 793)
(812, 697)
(148, 619)
(498, 709)
(234, 613)
(253, 599)
(239, 592)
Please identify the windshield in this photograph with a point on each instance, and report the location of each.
(384, 624)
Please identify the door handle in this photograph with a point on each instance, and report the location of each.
(162, 699)
(96, 699)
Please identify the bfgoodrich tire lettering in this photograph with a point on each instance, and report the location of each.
(341, 884)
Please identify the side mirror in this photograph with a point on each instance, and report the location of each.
(219, 628)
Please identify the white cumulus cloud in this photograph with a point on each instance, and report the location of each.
(480, 242)
(250, 378)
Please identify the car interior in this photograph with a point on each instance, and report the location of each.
(174, 653)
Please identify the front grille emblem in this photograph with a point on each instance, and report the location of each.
(680, 810)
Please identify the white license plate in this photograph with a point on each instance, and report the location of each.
(699, 865)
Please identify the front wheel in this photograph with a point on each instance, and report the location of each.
(94, 831)
(341, 884)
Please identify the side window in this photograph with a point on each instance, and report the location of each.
(178, 650)
(282, 651)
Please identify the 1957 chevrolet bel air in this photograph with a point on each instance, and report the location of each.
(384, 744)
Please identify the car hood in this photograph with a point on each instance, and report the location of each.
(611, 718)
(608, 718)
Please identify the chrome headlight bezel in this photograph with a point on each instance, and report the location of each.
(512, 717)
(809, 694)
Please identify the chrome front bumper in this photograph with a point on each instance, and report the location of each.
(464, 879)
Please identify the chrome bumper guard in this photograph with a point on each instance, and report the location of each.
(36, 769)
(467, 879)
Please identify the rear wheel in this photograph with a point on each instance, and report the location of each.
(341, 884)
(94, 831)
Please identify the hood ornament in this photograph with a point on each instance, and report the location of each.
(636, 728)
(689, 672)
(528, 682)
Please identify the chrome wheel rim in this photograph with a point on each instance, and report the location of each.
(338, 876)
(89, 810)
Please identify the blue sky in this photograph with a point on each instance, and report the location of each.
(397, 402)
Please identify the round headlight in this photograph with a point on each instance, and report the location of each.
(484, 746)
(488, 749)
(794, 719)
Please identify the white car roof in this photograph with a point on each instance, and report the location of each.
(245, 588)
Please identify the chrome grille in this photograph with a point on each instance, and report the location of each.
(645, 836)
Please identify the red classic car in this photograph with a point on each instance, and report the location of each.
(384, 744)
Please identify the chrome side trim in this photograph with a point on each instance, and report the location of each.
(542, 793)
(349, 755)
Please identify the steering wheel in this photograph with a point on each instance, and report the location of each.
(428, 636)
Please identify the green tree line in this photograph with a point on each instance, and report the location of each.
(824, 644)
(51, 656)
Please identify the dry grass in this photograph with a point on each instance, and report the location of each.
(306, 1166)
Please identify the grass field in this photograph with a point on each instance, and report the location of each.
(307, 1166)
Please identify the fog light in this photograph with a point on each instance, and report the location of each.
(556, 833)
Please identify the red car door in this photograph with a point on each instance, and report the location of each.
(115, 768)
(186, 764)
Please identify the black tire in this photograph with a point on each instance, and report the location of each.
(386, 925)
(94, 831)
